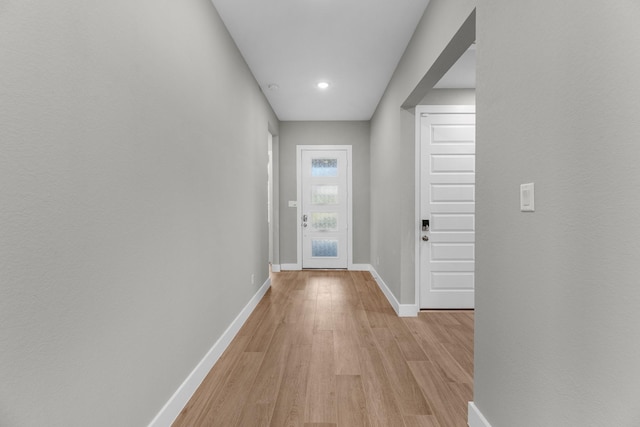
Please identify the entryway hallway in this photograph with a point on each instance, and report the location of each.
(325, 348)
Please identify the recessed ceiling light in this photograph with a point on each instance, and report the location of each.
(323, 85)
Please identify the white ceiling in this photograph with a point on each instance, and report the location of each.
(355, 45)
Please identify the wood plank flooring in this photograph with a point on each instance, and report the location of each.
(325, 348)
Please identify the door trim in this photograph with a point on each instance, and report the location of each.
(420, 110)
(270, 193)
(348, 149)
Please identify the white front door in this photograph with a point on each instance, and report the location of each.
(325, 202)
(447, 201)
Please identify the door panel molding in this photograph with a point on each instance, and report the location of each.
(450, 275)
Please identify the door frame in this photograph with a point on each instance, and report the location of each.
(348, 149)
(270, 195)
(420, 110)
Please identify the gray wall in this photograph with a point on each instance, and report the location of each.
(393, 228)
(324, 133)
(557, 319)
(450, 97)
(125, 251)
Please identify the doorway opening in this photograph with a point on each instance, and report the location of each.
(272, 201)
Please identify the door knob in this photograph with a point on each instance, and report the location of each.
(425, 238)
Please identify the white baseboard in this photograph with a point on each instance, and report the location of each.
(407, 310)
(275, 268)
(298, 267)
(177, 402)
(360, 267)
(402, 310)
(475, 417)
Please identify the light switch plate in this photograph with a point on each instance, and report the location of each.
(293, 203)
(527, 197)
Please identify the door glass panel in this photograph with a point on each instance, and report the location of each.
(324, 167)
(324, 248)
(324, 194)
(324, 221)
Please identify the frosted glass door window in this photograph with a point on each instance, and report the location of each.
(324, 167)
(324, 195)
(324, 221)
(324, 248)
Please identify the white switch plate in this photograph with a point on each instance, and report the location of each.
(293, 203)
(527, 197)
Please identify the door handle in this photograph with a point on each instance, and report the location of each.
(304, 220)
(425, 238)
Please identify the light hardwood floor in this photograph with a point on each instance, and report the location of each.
(325, 348)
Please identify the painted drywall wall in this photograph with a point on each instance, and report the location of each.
(393, 231)
(132, 204)
(557, 319)
(450, 97)
(354, 133)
